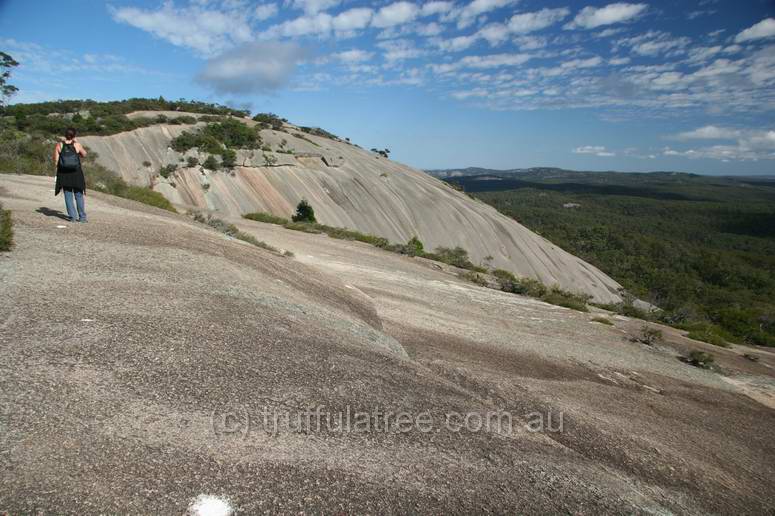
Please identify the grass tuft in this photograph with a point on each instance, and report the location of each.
(232, 231)
(6, 230)
(260, 216)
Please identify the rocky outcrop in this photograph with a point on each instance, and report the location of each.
(147, 361)
(349, 187)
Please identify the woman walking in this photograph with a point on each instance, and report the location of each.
(67, 157)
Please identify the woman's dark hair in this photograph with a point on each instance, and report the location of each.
(70, 133)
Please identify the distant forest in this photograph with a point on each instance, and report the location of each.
(102, 118)
(701, 248)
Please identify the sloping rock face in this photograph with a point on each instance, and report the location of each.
(141, 353)
(353, 188)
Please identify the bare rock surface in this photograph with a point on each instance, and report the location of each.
(135, 349)
(348, 187)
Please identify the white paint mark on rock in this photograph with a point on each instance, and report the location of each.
(209, 505)
(87, 320)
(59, 226)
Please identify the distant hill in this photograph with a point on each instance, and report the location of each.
(554, 172)
(477, 171)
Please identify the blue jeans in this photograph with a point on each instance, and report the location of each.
(69, 193)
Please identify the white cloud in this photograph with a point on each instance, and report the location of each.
(763, 29)
(530, 22)
(597, 150)
(709, 132)
(718, 67)
(618, 61)
(352, 19)
(436, 7)
(265, 11)
(498, 33)
(656, 47)
(429, 29)
(320, 24)
(702, 54)
(469, 13)
(592, 17)
(761, 69)
(354, 55)
(749, 144)
(530, 42)
(395, 14)
(252, 68)
(457, 44)
(52, 62)
(344, 24)
(399, 50)
(582, 63)
(494, 60)
(313, 6)
(206, 31)
(494, 33)
(467, 94)
(669, 81)
(654, 43)
(697, 14)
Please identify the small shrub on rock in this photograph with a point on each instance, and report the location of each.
(211, 163)
(701, 359)
(649, 336)
(304, 212)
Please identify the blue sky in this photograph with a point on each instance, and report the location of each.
(632, 86)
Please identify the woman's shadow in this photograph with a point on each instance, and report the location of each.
(48, 212)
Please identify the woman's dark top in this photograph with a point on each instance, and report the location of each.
(70, 179)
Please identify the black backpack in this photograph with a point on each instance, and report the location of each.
(69, 159)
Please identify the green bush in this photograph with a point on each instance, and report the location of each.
(649, 336)
(147, 196)
(266, 217)
(701, 359)
(602, 320)
(300, 136)
(303, 227)
(414, 247)
(211, 163)
(474, 277)
(304, 212)
(559, 297)
(147, 164)
(708, 336)
(21, 153)
(6, 230)
(456, 256)
(333, 232)
(167, 170)
(269, 121)
(317, 131)
(191, 162)
(185, 119)
(524, 286)
(219, 138)
(228, 158)
(232, 231)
